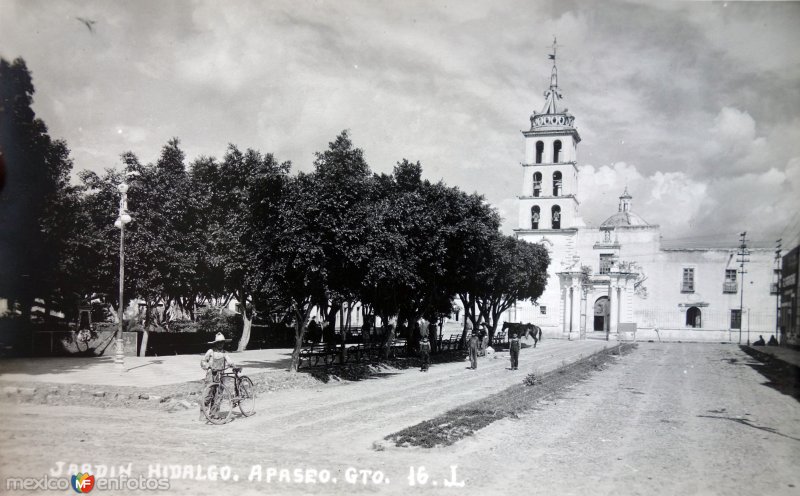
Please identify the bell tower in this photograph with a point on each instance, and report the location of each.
(549, 200)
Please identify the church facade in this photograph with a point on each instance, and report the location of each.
(606, 280)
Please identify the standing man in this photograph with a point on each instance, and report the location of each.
(214, 362)
(472, 346)
(425, 353)
(513, 347)
(484, 337)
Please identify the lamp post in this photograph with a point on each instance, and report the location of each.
(122, 219)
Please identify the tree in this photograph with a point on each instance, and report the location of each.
(513, 270)
(37, 204)
(342, 193)
(241, 198)
(62, 227)
(418, 234)
(296, 264)
(161, 243)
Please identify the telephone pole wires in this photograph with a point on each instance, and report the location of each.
(742, 259)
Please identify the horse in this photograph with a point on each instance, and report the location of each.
(523, 330)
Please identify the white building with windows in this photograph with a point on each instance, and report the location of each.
(603, 279)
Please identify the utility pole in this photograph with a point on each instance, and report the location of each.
(778, 277)
(742, 259)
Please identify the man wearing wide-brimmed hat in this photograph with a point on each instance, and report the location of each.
(216, 360)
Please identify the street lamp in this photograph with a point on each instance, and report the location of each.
(122, 219)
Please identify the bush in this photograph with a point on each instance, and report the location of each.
(211, 321)
(530, 380)
(182, 326)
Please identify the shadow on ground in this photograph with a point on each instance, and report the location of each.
(781, 376)
(59, 365)
(376, 369)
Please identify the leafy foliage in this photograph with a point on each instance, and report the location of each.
(243, 228)
(37, 205)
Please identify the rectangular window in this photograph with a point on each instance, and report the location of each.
(729, 286)
(736, 319)
(543, 309)
(687, 285)
(605, 262)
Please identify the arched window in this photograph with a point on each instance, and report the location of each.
(556, 183)
(535, 217)
(556, 217)
(537, 183)
(556, 151)
(693, 317)
(539, 151)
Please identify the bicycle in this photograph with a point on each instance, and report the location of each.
(220, 397)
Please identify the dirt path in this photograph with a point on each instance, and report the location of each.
(667, 419)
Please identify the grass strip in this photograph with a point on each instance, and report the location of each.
(465, 420)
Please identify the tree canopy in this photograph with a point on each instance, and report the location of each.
(244, 227)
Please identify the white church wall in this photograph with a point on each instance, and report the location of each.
(647, 279)
(546, 314)
(668, 301)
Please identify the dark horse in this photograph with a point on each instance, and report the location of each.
(522, 330)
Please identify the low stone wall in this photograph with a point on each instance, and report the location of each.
(66, 343)
(696, 335)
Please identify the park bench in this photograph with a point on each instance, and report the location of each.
(398, 345)
(315, 352)
(358, 352)
(451, 343)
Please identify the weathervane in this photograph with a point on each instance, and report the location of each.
(552, 95)
(552, 56)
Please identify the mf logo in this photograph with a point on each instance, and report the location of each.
(82, 483)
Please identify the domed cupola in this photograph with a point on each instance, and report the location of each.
(624, 217)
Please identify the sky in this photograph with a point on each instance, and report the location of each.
(694, 106)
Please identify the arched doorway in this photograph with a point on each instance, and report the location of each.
(693, 317)
(601, 307)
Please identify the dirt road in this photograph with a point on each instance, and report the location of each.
(666, 419)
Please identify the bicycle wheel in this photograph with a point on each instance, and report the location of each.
(247, 396)
(217, 403)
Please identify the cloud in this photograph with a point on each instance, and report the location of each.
(694, 212)
(696, 95)
(733, 146)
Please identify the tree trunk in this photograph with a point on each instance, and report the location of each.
(469, 316)
(299, 332)
(342, 349)
(26, 308)
(386, 338)
(47, 304)
(301, 316)
(143, 349)
(247, 320)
